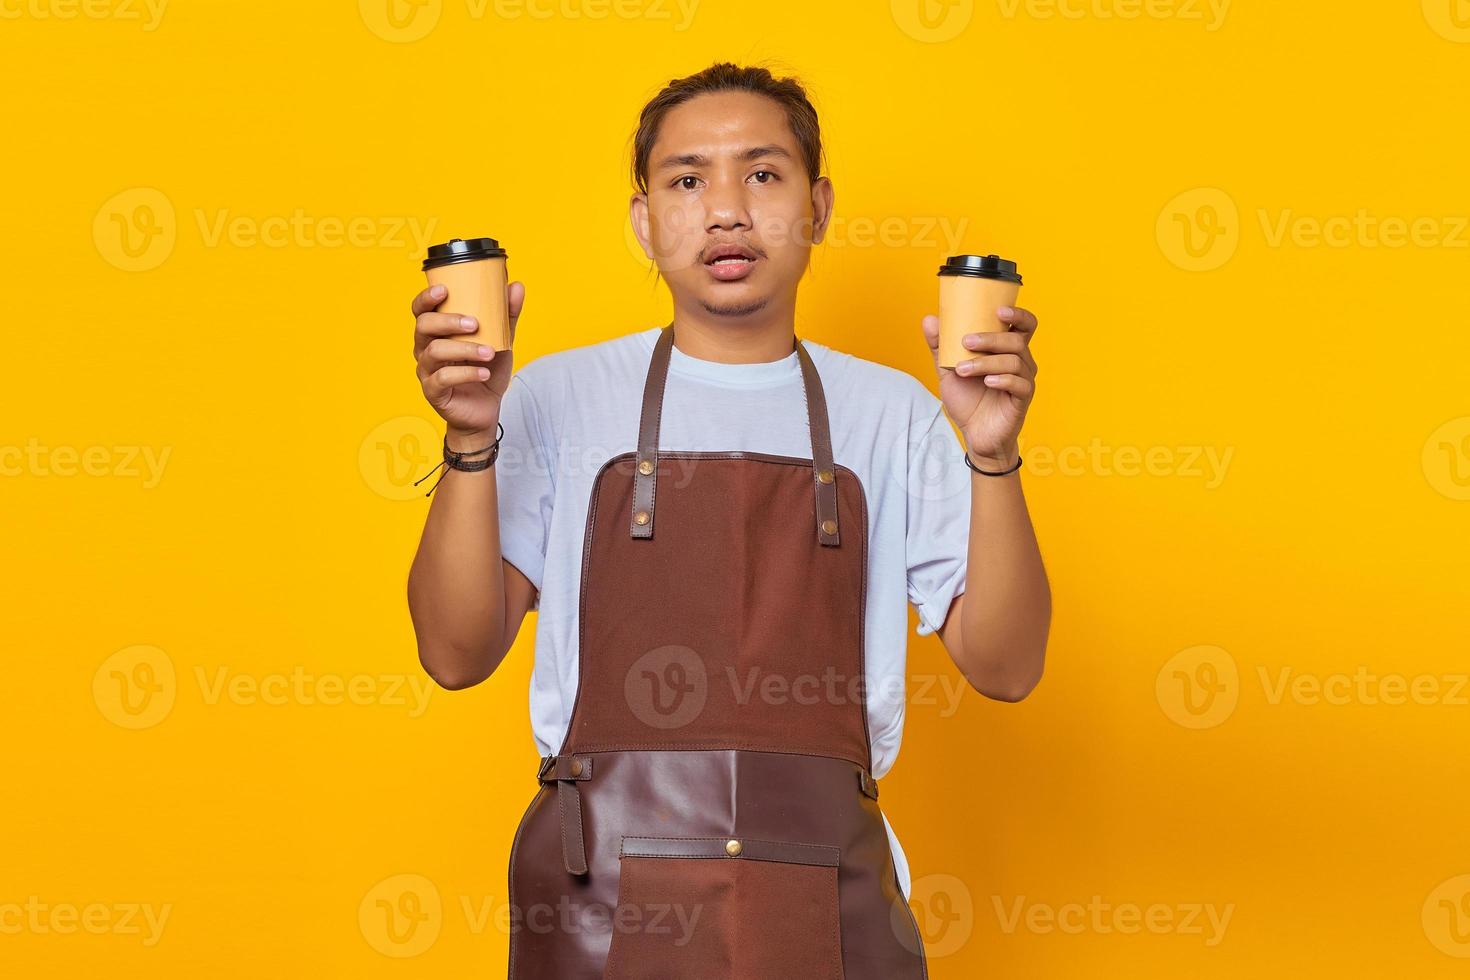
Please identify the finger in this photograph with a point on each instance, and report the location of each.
(1016, 385)
(436, 384)
(1009, 341)
(430, 325)
(441, 353)
(930, 325)
(429, 299)
(515, 299)
(1019, 319)
(993, 364)
(996, 341)
(515, 302)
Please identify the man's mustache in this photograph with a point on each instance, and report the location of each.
(753, 249)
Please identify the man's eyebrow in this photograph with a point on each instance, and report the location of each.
(700, 160)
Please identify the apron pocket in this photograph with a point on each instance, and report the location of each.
(725, 907)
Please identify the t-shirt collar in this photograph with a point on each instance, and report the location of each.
(757, 374)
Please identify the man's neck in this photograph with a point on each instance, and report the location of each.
(766, 336)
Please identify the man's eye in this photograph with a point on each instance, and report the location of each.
(681, 182)
(766, 173)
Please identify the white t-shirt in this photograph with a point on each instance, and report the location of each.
(567, 413)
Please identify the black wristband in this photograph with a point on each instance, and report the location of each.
(1006, 472)
(453, 457)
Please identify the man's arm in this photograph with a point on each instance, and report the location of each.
(466, 601)
(998, 637)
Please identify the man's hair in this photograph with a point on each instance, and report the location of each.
(726, 77)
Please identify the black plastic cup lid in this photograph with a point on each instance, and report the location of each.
(981, 267)
(463, 250)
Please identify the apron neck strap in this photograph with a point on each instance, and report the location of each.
(824, 473)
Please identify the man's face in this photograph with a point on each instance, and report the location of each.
(730, 215)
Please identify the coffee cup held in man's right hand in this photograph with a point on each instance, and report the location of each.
(971, 289)
(473, 271)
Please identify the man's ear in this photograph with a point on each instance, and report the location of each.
(638, 214)
(823, 195)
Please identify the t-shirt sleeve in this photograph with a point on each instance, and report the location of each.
(525, 482)
(938, 531)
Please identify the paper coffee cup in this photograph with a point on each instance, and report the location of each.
(971, 289)
(473, 271)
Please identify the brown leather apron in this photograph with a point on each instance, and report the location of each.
(710, 813)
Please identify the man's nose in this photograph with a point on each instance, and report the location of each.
(725, 206)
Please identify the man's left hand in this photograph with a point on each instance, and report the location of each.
(987, 395)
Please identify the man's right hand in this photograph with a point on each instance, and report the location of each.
(462, 381)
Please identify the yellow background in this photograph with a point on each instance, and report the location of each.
(1160, 763)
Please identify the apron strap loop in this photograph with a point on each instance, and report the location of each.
(647, 461)
(867, 784)
(566, 771)
(824, 473)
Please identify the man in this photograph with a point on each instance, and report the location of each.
(719, 525)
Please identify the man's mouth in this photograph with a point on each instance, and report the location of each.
(730, 262)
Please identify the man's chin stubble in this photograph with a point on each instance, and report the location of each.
(734, 310)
